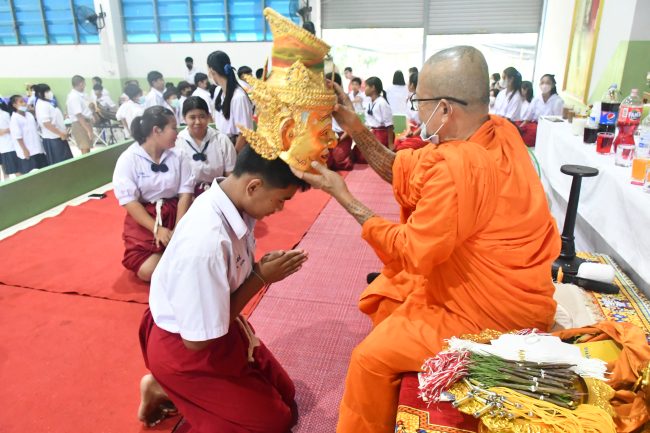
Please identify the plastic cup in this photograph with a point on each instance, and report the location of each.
(624, 155)
(578, 125)
(646, 180)
(604, 142)
(570, 115)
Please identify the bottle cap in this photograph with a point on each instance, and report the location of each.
(635, 92)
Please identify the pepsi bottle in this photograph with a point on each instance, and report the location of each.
(609, 109)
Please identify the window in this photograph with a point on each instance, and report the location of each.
(40, 22)
(198, 20)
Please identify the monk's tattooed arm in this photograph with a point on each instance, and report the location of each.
(379, 157)
(358, 210)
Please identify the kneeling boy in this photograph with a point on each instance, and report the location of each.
(205, 355)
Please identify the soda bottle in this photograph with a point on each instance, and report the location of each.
(609, 109)
(642, 152)
(629, 116)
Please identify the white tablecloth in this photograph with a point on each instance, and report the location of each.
(613, 215)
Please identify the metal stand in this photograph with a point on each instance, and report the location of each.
(568, 260)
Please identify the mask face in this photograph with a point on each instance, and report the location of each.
(310, 140)
(503, 83)
(141, 100)
(49, 95)
(174, 103)
(545, 88)
(22, 108)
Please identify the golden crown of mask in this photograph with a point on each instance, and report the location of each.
(295, 85)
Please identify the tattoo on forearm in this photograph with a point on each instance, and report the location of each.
(358, 210)
(378, 156)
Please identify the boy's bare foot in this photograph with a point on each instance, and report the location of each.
(155, 405)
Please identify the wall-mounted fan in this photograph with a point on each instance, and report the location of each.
(89, 20)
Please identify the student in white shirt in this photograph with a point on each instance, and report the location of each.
(8, 159)
(80, 115)
(102, 100)
(155, 95)
(527, 95)
(340, 157)
(24, 133)
(184, 91)
(53, 130)
(548, 103)
(124, 97)
(131, 108)
(96, 80)
(379, 116)
(233, 108)
(397, 94)
(154, 183)
(191, 70)
(509, 101)
(199, 349)
(357, 96)
(241, 73)
(210, 152)
(173, 103)
(202, 84)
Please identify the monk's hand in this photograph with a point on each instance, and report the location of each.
(327, 180)
(278, 267)
(163, 236)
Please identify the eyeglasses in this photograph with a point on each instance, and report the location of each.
(416, 101)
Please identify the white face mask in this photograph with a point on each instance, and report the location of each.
(503, 84)
(22, 108)
(433, 138)
(49, 95)
(545, 88)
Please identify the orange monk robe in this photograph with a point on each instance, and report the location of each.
(514, 253)
(478, 265)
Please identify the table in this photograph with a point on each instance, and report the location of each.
(613, 215)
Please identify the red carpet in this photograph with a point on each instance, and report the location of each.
(69, 363)
(311, 321)
(80, 250)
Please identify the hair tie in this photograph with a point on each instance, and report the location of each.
(227, 69)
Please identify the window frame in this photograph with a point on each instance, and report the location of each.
(75, 35)
(229, 37)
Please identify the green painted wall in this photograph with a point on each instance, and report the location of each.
(36, 192)
(637, 66)
(627, 68)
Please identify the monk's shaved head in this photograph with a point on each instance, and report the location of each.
(460, 72)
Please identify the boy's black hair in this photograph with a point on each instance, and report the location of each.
(276, 173)
(336, 79)
(356, 80)
(198, 77)
(153, 76)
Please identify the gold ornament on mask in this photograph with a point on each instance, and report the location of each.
(294, 104)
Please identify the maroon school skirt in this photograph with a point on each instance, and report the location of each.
(340, 158)
(382, 136)
(139, 243)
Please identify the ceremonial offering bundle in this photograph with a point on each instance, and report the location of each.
(525, 382)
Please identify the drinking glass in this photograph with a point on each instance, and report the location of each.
(624, 155)
(604, 142)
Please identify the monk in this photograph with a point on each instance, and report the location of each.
(474, 246)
